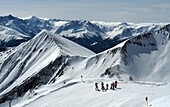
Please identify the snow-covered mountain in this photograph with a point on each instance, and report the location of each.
(82, 32)
(99, 36)
(19, 25)
(10, 37)
(28, 27)
(117, 32)
(36, 62)
(124, 30)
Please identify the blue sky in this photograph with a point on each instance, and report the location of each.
(103, 10)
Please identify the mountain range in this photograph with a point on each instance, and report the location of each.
(94, 35)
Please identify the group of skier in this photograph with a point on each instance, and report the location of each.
(113, 85)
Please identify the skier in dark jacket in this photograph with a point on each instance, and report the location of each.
(96, 87)
(81, 78)
(107, 85)
(102, 86)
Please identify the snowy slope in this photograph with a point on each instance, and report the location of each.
(148, 56)
(36, 61)
(76, 93)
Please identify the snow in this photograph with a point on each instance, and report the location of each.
(156, 63)
(110, 24)
(60, 23)
(76, 93)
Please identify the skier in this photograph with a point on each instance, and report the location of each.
(64, 82)
(116, 84)
(81, 78)
(107, 85)
(102, 86)
(96, 87)
(113, 85)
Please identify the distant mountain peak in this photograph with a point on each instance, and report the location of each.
(34, 18)
(10, 16)
(124, 23)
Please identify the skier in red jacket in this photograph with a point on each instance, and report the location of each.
(111, 87)
(64, 82)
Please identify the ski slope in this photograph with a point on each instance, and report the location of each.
(76, 93)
